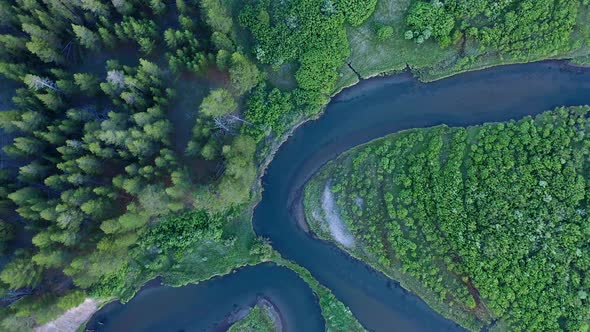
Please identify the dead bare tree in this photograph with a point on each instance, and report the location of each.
(228, 122)
(36, 83)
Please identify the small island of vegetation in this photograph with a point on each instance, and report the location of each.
(263, 317)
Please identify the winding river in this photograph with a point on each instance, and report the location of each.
(369, 110)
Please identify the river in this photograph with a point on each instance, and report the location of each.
(369, 110)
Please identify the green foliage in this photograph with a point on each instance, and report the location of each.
(430, 19)
(87, 83)
(522, 29)
(143, 31)
(86, 37)
(222, 41)
(218, 103)
(265, 112)
(243, 74)
(21, 272)
(217, 16)
(71, 300)
(240, 172)
(356, 11)
(99, 160)
(384, 32)
(185, 51)
(338, 317)
(487, 218)
(311, 33)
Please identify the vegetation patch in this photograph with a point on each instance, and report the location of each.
(485, 223)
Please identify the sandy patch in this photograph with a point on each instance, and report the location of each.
(337, 227)
(70, 320)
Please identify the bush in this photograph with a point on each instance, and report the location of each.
(430, 19)
(384, 32)
(179, 232)
(357, 11)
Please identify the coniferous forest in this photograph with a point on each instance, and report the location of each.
(98, 172)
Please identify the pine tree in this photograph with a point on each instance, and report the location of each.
(12, 46)
(87, 83)
(158, 7)
(35, 171)
(51, 99)
(50, 258)
(37, 83)
(97, 7)
(218, 103)
(28, 146)
(13, 71)
(86, 37)
(21, 272)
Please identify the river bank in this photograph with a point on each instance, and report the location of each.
(72, 319)
(206, 306)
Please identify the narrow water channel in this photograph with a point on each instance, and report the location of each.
(364, 112)
(206, 306)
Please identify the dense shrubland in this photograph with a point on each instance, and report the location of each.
(435, 39)
(491, 220)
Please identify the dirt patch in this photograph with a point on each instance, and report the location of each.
(337, 227)
(71, 319)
